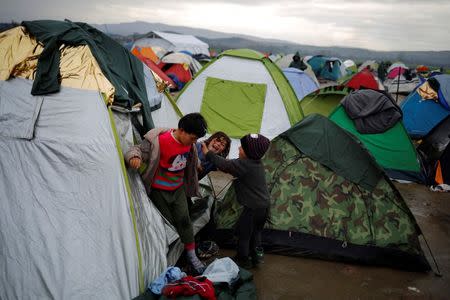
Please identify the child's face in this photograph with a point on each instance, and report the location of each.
(217, 145)
(187, 139)
(242, 153)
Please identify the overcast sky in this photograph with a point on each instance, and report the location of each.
(377, 25)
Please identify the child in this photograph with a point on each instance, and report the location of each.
(171, 174)
(219, 143)
(251, 192)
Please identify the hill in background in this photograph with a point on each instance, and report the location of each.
(126, 32)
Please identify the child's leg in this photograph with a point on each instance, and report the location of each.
(181, 219)
(256, 251)
(259, 219)
(244, 230)
(184, 228)
(161, 199)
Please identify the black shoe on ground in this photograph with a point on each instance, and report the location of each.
(243, 262)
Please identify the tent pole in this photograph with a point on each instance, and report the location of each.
(398, 85)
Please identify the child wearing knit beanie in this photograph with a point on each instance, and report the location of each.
(251, 192)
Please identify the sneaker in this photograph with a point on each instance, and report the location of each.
(258, 256)
(243, 262)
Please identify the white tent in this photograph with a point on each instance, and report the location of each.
(173, 42)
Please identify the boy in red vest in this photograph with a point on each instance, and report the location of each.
(171, 174)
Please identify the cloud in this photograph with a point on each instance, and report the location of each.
(378, 25)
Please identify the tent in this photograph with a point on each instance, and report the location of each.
(330, 200)
(435, 142)
(286, 60)
(180, 67)
(442, 172)
(146, 52)
(74, 222)
(350, 66)
(371, 64)
(364, 80)
(390, 146)
(301, 82)
(240, 92)
(155, 69)
(323, 101)
(173, 42)
(326, 67)
(400, 79)
(421, 115)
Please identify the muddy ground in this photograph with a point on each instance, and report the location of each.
(282, 277)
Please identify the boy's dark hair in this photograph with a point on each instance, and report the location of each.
(193, 123)
(221, 136)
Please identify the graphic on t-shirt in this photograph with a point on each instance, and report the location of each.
(178, 163)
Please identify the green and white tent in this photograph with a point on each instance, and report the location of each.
(240, 92)
(330, 200)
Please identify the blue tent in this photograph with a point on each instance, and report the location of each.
(301, 82)
(444, 89)
(421, 116)
(325, 67)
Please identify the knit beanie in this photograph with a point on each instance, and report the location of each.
(255, 145)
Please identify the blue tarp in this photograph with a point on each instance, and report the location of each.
(421, 116)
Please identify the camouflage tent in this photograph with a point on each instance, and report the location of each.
(329, 199)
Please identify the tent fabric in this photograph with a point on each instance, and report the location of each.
(168, 114)
(396, 72)
(67, 202)
(77, 68)
(125, 73)
(286, 60)
(395, 65)
(350, 66)
(372, 64)
(184, 59)
(443, 168)
(371, 111)
(363, 79)
(420, 116)
(326, 216)
(334, 148)
(435, 142)
(146, 52)
(326, 67)
(444, 90)
(54, 224)
(155, 69)
(249, 97)
(281, 108)
(323, 101)
(391, 149)
(300, 82)
(184, 42)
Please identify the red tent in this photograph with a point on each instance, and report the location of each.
(156, 69)
(363, 79)
(395, 71)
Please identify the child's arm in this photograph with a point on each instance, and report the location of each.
(138, 153)
(231, 166)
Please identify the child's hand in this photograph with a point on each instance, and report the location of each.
(135, 162)
(204, 149)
